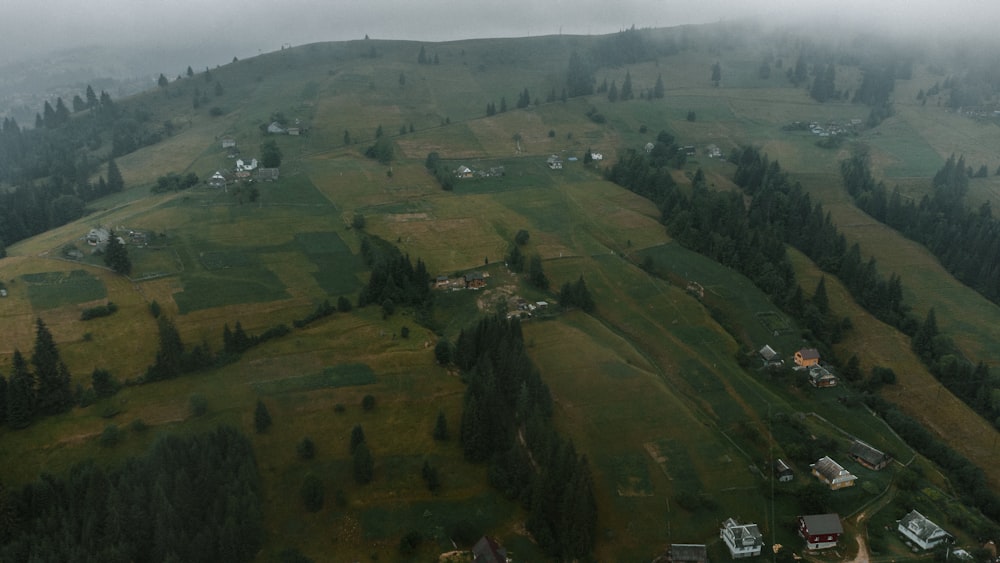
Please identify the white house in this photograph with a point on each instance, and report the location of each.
(743, 540)
(833, 474)
(275, 128)
(217, 180)
(98, 236)
(649, 147)
(246, 165)
(596, 156)
(921, 531)
(554, 162)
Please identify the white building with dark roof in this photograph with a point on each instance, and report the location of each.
(743, 540)
(925, 534)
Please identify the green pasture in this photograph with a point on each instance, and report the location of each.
(343, 375)
(49, 290)
(338, 269)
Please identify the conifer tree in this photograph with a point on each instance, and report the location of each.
(261, 417)
(820, 299)
(357, 437)
(626, 93)
(3, 403)
(20, 393)
(116, 255)
(659, 90)
(54, 394)
(115, 181)
(91, 97)
(363, 465)
(171, 353)
(441, 427)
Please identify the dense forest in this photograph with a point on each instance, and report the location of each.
(192, 498)
(506, 421)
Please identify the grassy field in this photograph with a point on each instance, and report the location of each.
(648, 387)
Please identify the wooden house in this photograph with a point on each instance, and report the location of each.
(487, 550)
(868, 456)
(782, 471)
(832, 474)
(807, 357)
(819, 376)
(821, 531)
(475, 280)
(688, 553)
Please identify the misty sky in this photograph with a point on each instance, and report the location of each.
(247, 27)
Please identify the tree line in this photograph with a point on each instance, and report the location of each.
(506, 422)
(190, 498)
(966, 242)
(394, 279)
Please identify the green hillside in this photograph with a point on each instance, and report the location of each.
(652, 387)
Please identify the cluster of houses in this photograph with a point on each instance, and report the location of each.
(830, 129)
(466, 172)
(275, 128)
(806, 359)
(245, 170)
(471, 280)
(98, 237)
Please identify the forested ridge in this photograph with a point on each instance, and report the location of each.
(192, 498)
(506, 421)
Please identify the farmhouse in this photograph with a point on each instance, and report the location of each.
(688, 553)
(596, 156)
(743, 540)
(246, 165)
(819, 376)
(770, 356)
(267, 174)
(275, 128)
(782, 471)
(807, 357)
(441, 281)
(649, 147)
(868, 456)
(831, 473)
(463, 172)
(97, 236)
(925, 534)
(217, 180)
(554, 162)
(821, 531)
(475, 280)
(228, 142)
(713, 151)
(487, 550)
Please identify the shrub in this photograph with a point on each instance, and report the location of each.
(98, 311)
(199, 404)
(409, 543)
(312, 493)
(261, 417)
(404, 332)
(306, 448)
(138, 426)
(111, 436)
(368, 402)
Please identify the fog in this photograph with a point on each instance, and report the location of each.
(228, 28)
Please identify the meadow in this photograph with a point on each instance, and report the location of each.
(649, 387)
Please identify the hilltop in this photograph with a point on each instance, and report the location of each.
(658, 387)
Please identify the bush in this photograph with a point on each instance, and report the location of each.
(409, 543)
(404, 332)
(368, 402)
(138, 426)
(261, 417)
(312, 493)
(111, 436)
(306, 448)
(98, 311)
(199, 404)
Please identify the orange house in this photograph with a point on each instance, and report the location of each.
(807, 357)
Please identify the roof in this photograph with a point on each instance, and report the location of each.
(487, 550)
(823, 523)
(921, 527)
(688, 552)
(831, 470)
(473, 276)
(867, 453)
(768, 353)
(781, 467)
(809, 353)
(744, 535)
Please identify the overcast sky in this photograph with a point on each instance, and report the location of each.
(247, 27)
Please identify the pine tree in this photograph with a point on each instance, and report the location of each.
(115, 181)
(116, 255)
(357, 437)
(422, 56)
(3, 411)
(820, 299)
(170, 355)
(54, 392)
(20, 393)
(162, 81)
(363, 465)
(91, 98)
(261, 417)
(659, 90)
(626, 93)
(613, 92)
(441, 427)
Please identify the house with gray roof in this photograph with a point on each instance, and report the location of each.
(868, 456)
(743, 540)
(925, 534)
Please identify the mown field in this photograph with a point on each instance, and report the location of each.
(648, 387)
